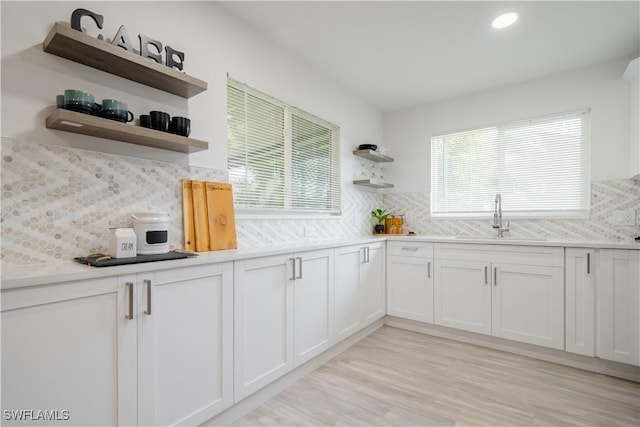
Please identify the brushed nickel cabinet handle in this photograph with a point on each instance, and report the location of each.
(406, 248)
(148, 310)
(495, 276)
(293, 266)
(429, 270)
(299, 276)
(486, 279)
(588, 263)
(129, 286)
(364, 255)
(368, 259)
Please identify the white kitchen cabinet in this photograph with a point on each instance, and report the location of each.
(580, 305)
(283, 315)
(359, 287)
(410, 280)
(462, 295)
(372, 283)
(68, 348)
(512, 292)
(184, 326)
(313, 304)
(618, 305)
(528, 304)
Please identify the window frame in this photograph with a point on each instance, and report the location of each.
(287, 211)
(582, 213)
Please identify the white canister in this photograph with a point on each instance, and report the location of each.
(152, 232)
(122, 243)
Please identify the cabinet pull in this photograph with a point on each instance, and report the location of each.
(364, 255)
(495, 276)
(588, 263)
(148, 310)
(367, 252)
(486, 279)
(129, 286)
(293, 267)
(406, 248)
(299, 276)
(429, 270)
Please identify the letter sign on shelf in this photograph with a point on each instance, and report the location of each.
(174, 58)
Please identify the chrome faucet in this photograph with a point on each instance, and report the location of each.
(497, 217)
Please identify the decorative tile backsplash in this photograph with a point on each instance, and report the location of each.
(59, 202)
(607, 197)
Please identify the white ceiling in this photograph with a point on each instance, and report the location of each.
(399, 54)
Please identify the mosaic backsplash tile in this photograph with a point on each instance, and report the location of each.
(59, 202)
(607, 197)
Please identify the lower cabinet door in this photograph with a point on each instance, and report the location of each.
(185, 344)
(410, 288)
(347, 262)
(313, 304)
(263, 334)
(528, 304)
(372, 284)
(580, 304)
(462, 295)
(618, 305)
(64, 355)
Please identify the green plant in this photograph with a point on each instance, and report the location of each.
(380, 215)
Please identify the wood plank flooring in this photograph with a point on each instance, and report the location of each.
(400, 378)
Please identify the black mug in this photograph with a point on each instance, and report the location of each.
(145, 121)
(180, 126)
(159, 120)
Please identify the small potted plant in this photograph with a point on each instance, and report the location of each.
(380, 215)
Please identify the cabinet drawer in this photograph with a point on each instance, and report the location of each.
(413, 249)
(508, 254)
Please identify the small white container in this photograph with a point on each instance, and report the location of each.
(122, 243)
(152, 232)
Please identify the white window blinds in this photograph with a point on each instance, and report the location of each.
(540, 167)
(280, 159)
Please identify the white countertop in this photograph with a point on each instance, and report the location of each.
(491, 240)
(18, 276)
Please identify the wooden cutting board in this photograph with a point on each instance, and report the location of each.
(209, 219)
(222, 225)
(200, 216)
(187, 216)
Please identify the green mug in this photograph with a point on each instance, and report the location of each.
(113, 109)
(78, 100)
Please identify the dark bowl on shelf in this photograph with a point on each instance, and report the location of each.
(367, 147)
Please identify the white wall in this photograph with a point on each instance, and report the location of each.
(79, 186)
(407, 133)
(214, 44)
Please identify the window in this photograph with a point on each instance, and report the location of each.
(280, 159)
(540, 167)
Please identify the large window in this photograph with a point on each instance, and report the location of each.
(540, 167)
(281, 159)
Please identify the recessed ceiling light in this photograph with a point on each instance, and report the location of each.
(505, 20)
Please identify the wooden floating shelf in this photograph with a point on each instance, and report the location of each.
(373, 155)
(77, 46)
(85, 124)
(368, 183)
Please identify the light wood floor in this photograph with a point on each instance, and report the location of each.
(398, 378)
